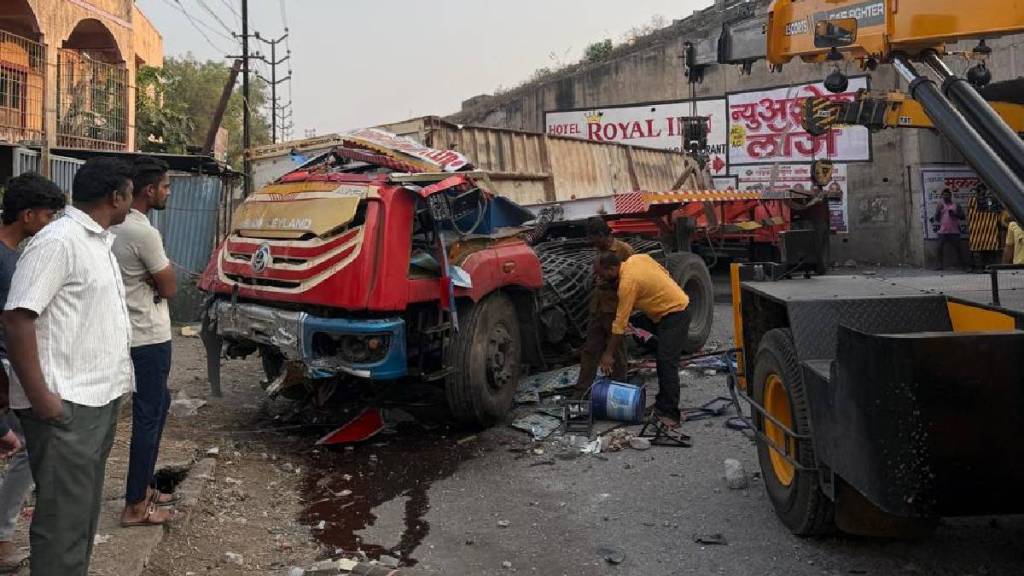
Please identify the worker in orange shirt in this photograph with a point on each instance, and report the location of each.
(646, 285)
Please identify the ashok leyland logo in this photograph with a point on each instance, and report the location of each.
(261, 258)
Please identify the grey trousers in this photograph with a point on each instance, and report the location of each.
(68, 459)
(16, 486)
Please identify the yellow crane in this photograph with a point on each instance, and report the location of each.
(880, 406)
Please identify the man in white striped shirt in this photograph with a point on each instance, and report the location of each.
(69, 338)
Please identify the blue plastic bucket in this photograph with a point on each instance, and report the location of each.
(611, 400)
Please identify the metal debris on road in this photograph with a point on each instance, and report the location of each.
(540, 426)
(546, 383)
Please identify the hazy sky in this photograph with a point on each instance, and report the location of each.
(360, 63)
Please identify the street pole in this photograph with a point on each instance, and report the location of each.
(273, 92)
(274, 81)
(246, 136)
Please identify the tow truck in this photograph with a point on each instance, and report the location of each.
(881, 405)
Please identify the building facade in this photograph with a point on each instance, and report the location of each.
(888, 181)
(67, 72)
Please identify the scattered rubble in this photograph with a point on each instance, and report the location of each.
(637, 443)
(182, 406)
(612, 556)
(735, 475)
(710, 539)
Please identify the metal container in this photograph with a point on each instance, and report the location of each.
(611, 400)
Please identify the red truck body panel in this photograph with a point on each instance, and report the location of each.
(364, 268)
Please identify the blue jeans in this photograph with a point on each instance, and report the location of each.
(150, 403)
(17, 484)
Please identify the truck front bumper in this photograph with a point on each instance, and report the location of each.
(372, 348)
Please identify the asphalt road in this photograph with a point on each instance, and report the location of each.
(451, 502)
(472, 508)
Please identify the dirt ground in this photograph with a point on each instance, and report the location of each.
(253, 505)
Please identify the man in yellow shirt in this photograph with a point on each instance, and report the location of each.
(646, 285)
(1014, 251)
(603, 304)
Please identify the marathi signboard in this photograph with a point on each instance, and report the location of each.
(651, 125)
(961, 181)
(765, 127)
(797, 177)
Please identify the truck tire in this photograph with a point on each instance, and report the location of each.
(779, 388)
(690, 272)
(485, 356)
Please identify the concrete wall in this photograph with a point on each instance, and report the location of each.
(885, 194)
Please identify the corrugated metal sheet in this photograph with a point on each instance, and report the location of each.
(62, 170)
(189, 227)
(532, 168)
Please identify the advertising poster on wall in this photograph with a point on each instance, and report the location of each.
(725, 183)
(765, 127)
(960, 180)
(651, 125)
(798, 177)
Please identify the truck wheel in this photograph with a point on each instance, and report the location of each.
(778, 387)
(690, 272)
(485, 356)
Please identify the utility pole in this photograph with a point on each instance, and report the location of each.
(274, 81)
(246, 136)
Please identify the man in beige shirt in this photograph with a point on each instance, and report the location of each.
(149, 281)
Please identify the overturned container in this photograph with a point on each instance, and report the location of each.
(611, 400)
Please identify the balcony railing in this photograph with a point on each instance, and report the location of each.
(22, 88)
(92, 102)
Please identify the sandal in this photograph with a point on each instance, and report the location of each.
(155, 499)
(147, 520)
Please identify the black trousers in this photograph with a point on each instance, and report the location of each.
(671, 331)
(952, 240)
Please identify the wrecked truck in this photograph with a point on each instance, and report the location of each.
(383, 262)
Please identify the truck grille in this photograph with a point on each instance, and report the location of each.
(287, 266)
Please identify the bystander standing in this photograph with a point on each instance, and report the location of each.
(149, 282)
(69, 341)
(30, 202)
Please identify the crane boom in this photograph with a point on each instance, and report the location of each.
(887, 27)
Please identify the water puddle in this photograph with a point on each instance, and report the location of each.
(373, 496)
